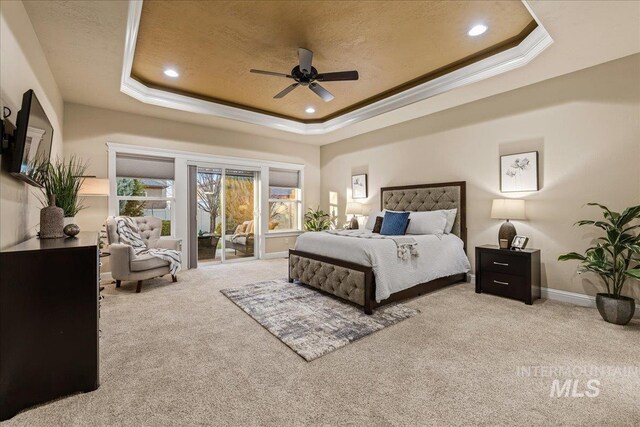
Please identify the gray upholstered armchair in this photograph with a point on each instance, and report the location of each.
(126, 265)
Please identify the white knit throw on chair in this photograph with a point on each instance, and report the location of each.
(130, 235)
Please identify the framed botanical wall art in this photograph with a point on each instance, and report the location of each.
(359, 186)
(519, 172)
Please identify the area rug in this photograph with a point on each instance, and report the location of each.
(310, 323)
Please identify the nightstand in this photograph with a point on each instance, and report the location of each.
(508, 273)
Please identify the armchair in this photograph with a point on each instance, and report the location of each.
(242, 239)
(126, 265)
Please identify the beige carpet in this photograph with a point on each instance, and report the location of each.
(183, 354)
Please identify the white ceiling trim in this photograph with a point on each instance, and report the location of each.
(516, 57)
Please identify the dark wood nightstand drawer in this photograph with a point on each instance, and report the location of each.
(513, 274)
(505, 285)
(503, 262)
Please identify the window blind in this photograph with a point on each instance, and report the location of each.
(284, 178)
(131, 166)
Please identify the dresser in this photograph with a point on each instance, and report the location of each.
(48, 321)
(508, 273)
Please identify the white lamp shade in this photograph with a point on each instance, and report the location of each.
(94, 187)
(508, 209)
(354, 208)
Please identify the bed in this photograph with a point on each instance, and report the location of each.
(350, 268)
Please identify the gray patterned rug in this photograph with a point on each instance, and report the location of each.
(310, 323)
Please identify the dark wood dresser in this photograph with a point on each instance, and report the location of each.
(508, 273)
(48, 321)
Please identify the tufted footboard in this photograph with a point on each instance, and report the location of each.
(349, 281)
(353, 282)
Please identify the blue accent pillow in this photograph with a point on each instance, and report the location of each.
(394, 223)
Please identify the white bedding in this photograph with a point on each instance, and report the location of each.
(440, 256)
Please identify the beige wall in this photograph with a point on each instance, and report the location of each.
(88, 129)
(280, 244)
(586, 126)
(23, 66)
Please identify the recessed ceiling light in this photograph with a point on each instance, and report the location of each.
(310, 110)
(476, 30)
(171, 73)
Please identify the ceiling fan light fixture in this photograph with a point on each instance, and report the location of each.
(170, 72)
(310, 110)
(306, 75)
(476, 30)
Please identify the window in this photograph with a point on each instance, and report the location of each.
(285, 200)
(145, 187)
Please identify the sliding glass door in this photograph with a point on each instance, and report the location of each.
(240, 214)
(224, 220)
(209, 214)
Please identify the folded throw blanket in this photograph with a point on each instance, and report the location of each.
(130, 235)
(407, 246)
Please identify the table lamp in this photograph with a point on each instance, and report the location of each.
(507, 209)
(94, 187)
(354, 209)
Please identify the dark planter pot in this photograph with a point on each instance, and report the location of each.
(615, 310)
(207, 246)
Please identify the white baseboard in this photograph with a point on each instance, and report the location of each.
(574, 298)
(568, 297)
(274, 255)
(105, 275)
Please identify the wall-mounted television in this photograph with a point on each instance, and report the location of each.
(33, 138)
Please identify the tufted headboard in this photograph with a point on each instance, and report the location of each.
(430, 197)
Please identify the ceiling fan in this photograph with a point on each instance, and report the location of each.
(306, 75)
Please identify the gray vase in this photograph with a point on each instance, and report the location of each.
(51, 220)
(615, 310)
(507, 232)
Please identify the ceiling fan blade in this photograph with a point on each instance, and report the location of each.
(270, 73)
(337, 76)
(305, 56)
(321, 92)
(286, 90)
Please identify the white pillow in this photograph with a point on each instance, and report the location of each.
(428, 222)
(371, 221)
(451, 218)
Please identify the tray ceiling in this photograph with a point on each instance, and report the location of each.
(393, 45)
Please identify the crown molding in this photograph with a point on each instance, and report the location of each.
(507, 60)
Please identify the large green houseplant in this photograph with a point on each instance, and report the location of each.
(615, 257)
(62, 179)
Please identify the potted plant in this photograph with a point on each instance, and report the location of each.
(61, 179)
(615, 257)
(316, 220)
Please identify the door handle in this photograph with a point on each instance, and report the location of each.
(501, 263)
(500, 283)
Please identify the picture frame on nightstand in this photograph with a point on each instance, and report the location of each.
(519, 242)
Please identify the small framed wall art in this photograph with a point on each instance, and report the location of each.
(359, 186)
(519, 172)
